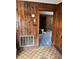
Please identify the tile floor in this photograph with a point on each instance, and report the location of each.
(39, 53)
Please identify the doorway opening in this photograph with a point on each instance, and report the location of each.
(45, 28)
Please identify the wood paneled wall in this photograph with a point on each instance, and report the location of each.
(57, 35)
(49, 22)
(26, 23)
(27, 27)
(59, 26)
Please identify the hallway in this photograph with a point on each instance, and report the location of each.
(45, 29)
(39, 53)
(39, 33)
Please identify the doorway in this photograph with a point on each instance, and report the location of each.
(45, 28)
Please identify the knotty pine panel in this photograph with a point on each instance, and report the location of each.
(27, 26)
(58, 40)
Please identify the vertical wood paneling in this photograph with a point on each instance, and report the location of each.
(60, 26)
(54, 29)
(27, 26)
(57, 27)
(37, 29)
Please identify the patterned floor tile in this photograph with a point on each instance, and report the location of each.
(39, 53)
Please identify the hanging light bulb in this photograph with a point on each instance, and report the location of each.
(33, 15)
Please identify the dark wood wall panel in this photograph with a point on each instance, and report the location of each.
(27, 26)
(57, 40)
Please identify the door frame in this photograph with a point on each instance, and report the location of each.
(53, 26)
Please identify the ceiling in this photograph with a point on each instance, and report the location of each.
(45, 1)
